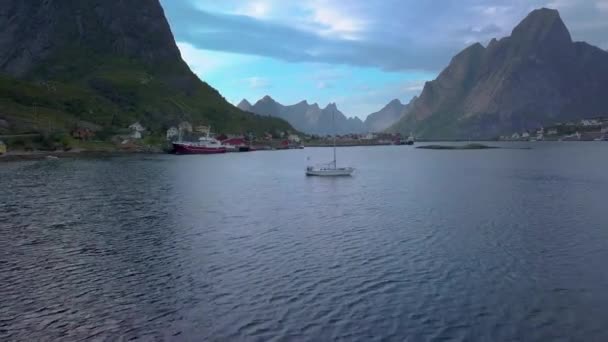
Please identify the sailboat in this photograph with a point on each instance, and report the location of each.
(330, 169)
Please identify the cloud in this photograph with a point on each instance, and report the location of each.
(256, 9)
(391, 34)
(204, 62)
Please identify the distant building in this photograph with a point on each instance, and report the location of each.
(236, 142)
(515, 136)
(605, 128)
(590, 122)
(82, 133)
(369, 136)
(172, 133)
(525, 135)
(137, 127)
(294, 138)
(552, 131)
(136, 135)
(136, 130)
(185, 126)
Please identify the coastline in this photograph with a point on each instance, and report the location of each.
(73, 154)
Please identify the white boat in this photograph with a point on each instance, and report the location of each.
(330, 169)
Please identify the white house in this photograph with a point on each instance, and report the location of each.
(137, 127)
(515, 136)
(552, 131)
(172, 132)
(294, 138)
(136, 130)
(525, 135)
(369, 136)
(590, 122)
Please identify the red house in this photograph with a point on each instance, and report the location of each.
(234, 142)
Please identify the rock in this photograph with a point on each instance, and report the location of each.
(535, 77)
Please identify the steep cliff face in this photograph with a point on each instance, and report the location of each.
(93, 59)
(35, 30)
(534, 77)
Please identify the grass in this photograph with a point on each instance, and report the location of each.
(115, 92)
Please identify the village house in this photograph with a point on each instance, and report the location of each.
(185, 126)
(605, 128)
(552, 131)
(525, 135)
(515, 136)
(369, 136)
(235, 142)
(136, 130)
(294, 138)
(172, 133)
(82, 133)
(590, 122)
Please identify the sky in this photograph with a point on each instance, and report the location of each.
(360, 54)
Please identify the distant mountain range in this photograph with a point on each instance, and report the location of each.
(305, 117)
(312, 119)
(536, 76)
(108, 62)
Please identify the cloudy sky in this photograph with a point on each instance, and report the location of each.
(357, 53)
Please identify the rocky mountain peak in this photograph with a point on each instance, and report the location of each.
(244, 105)
(542, 26)
(267, 98)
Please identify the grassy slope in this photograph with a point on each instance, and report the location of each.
(115, 92)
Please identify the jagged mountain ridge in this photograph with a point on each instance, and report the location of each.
(312, 119)
(537, 75)
(308, 118)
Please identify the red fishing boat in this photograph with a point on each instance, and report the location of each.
(204, 145)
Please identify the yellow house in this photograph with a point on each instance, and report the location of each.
(2, 147)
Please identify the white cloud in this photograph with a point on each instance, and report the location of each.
(334, 22)
(204, 62)
(256, 9)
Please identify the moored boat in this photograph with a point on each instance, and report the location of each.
(204, 145)
(330, 169)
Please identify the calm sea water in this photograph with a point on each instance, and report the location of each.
(418, 245)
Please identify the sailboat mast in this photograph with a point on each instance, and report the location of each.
(333, 123)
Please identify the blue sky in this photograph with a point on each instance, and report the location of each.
(358, 53)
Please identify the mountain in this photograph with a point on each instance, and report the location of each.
(108, 62)
(244, 105)
(308, 118)
(536, 76)
(385, 117)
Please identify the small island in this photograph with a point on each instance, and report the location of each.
(474, 146)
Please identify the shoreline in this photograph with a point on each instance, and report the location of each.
(42, 155)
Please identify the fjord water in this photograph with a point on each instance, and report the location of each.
(486, 245)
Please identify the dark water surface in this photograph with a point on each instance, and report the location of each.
(493, 245)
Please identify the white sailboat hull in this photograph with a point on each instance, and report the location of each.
(330, 172)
